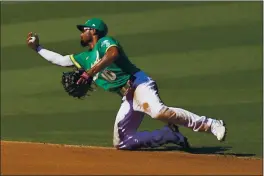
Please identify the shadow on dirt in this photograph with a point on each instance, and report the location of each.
(201, 150)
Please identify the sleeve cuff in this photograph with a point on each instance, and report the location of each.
(75, 62)
(110, 47)
(39, 48)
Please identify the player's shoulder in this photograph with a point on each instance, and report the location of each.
(107, 40)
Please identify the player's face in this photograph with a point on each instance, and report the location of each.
(86, 37)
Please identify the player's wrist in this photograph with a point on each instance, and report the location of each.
(85, 75)
(38, 48)
(90, 72)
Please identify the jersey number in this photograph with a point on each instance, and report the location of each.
(109, 75)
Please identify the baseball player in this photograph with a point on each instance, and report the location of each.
(107, 65)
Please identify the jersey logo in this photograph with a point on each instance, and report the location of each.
(106, 43)
(87, 57)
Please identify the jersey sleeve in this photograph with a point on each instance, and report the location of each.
(76, 59)
(80, 60)
(105, 44)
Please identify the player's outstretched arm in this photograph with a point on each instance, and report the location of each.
(53, 57)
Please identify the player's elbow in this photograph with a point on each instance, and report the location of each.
(63, 61)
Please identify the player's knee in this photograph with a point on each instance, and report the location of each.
(116, 140)
(117, 147)
(121, 146)
(164, 113)
(154, 111)
(128, 143)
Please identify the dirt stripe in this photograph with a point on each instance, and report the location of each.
(38, 158)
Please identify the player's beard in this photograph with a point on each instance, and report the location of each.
(84, 43)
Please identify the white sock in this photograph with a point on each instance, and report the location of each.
(191, 120)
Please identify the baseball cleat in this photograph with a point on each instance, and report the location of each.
(218, 129)
(184, 144)
(183, 141)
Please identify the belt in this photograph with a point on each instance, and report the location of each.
(124, 89)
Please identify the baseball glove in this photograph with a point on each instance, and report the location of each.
(69, 82)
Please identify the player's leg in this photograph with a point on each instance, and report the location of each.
(127, 121)
(147, 100)
(127, 137)
(152, 139)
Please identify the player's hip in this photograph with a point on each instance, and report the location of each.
(135, 80)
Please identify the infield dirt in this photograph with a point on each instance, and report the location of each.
(45, 159)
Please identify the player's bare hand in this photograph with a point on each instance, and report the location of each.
(33, 40)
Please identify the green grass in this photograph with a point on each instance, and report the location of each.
(205, 56)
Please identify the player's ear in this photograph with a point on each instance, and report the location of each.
(94, 31)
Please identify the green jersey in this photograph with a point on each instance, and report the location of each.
(115, 75)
